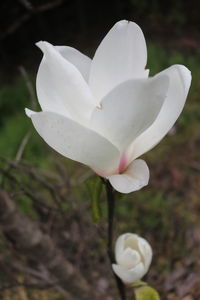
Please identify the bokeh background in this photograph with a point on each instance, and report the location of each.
(53, 191)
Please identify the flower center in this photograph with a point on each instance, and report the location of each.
(99, 106)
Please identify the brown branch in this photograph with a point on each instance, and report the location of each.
(38, 279)
(22, 146)
(38, 199)
(33, 99)
(29, 285)
(28, 190)
(30, 12)
(29, 86)
(49, 6)
(26, 4)
(41, 248)
(14, 26)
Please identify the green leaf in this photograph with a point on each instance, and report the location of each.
(138, 284)
(94, 186)
(146, 293)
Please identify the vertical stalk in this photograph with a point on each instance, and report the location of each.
(111, 211)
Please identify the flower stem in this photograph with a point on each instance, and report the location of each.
(111, 211)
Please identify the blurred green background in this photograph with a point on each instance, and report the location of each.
(166, 212)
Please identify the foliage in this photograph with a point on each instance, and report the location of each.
(14, 124)
(94, 186)
(146, 293)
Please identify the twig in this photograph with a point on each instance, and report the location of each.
(31, 11)
(29, 285)
(22, 146)
(26, 4)
(111, 210)
(43, 277)
(33, 174)
(36, 198)
(26, 138)
(14, 26)
(49, 6)
(29, 86)
(27, 167)
(39, 274)
(33, 106)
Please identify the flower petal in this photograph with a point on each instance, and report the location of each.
(120, 245)
(78, 59)
(132, 241)
(129, 109)
(129, 275)
(134, 178)
(60, 86)
(179, 83)
(122, 55)
(129, 258)
(146, 252)
(75, 141)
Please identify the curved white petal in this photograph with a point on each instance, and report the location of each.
(61, 88)
(78, 59)
(132, 241)
(179, 83)
(146, 251)
(129, 109)
(129, 275)
(129, 258)
(120, 243)
(135, 177)
(75, 141)
(121, 55)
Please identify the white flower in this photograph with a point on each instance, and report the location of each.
(133, 256)
(107, 112)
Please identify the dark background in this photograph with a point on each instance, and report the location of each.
(82, 24)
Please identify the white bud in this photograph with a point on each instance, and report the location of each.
(133, 257)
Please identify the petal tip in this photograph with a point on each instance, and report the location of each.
(29, 112)
(40, 44)
(123, 23)
(43, 46)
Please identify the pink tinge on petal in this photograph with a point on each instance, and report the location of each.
(123, 163)
(122, 166)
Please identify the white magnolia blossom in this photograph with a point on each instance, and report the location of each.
(133, 257)
(106, 112)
